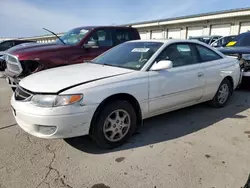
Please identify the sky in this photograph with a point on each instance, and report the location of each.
(23, 18)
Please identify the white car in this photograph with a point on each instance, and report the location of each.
(109, 97)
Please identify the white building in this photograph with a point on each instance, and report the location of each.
(5, 38)
(230, 22)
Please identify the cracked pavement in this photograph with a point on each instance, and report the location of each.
(194, 147)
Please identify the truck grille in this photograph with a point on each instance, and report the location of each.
(22, 94)
(13, 64)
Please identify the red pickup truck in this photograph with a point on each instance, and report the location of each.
(76, 46)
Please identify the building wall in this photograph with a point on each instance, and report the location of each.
(2, 38)
(224, 26)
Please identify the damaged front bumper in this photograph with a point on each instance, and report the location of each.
(12, 78)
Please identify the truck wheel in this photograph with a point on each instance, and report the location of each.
(115, 123)
(223, 94)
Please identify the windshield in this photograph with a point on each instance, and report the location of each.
(73, 36)
(131, 55)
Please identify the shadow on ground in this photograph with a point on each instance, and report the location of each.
(174, 125)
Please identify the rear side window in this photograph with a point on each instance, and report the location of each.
(207, 55)
(102, 37)
(122, 35)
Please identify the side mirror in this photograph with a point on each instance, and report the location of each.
(162, 65)
(91, 44)
(215, 44)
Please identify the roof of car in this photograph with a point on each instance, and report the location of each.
(206, 36)
(245, 33)
(172, 41)
(168, 41)
(95, 27)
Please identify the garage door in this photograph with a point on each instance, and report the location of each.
(143, 35)
(194, 32)
(245, 26)
(157, 34)
(223, 30)
(174, 33)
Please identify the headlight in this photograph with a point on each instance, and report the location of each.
(55, 100)
(63, 100)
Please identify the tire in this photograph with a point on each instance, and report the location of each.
(217, 101)
(103, 129)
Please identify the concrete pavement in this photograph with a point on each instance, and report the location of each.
(194, 147)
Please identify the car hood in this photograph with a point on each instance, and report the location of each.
(235, 50)
(57, 79)
(35, 48)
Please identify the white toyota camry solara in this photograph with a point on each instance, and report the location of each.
(109, 97)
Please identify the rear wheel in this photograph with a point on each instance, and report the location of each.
(223, 94)
(115, 123)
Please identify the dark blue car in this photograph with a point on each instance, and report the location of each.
(240, 48)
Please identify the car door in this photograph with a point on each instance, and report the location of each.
(212, 63)
(179, 86)
(103, 40)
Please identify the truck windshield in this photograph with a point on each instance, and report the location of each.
(131, 55)
(73, 36)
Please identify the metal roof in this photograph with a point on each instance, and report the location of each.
(190, 16)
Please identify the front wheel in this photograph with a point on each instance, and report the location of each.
(115, 123)
(223, 94)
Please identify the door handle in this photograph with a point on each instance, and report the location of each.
(200, 74)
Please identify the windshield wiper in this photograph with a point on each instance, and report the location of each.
(55, 35)
(111, 65)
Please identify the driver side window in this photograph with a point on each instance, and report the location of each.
(179, 54)
(102, 38)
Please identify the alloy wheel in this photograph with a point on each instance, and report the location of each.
(116, 125)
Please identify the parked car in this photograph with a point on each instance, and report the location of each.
(206, 39)
(223, 41)
(240, 48)
(109, 97)
(76, 46)
(7, 44)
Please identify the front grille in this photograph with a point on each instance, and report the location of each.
(13, 64)
(247, 65)
(22, 94)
